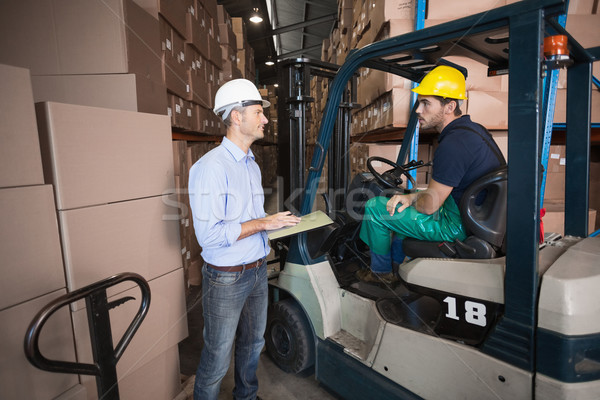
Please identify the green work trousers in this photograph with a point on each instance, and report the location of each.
(378, 226)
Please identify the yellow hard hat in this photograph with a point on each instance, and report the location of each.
(443, 81)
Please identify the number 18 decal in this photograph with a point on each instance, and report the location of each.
(474, 312)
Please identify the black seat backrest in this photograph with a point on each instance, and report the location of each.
(483, 207)
(483, 212)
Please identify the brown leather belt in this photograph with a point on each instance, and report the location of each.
(238, 268)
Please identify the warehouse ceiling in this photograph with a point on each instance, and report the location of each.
(299, 27)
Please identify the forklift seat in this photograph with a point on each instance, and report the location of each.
(483, 212)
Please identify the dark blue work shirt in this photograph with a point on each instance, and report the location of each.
(463, 155)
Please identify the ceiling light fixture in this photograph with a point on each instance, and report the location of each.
(256, 18)
(269, 62)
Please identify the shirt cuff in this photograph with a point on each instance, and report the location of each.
(233, 233)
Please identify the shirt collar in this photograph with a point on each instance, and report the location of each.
(237, 153)
(460, 120)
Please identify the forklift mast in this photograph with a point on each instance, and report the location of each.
(294, 89)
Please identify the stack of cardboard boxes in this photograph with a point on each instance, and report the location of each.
(155, 56)
(244, 53)
(229, 45)
(91, 53)
(30, 250)
(105, 199)
(185, 154)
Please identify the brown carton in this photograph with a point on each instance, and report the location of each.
(98, 156)
(490, 109)
(172, 10)
(197, 27)
(120, 91)
(82, 37)
(442, 9)
(163, 328)
(30, 252)
(379, 12)
(20, 159)
(174, 72)
(395, 107)
(554, 220)
(19, 379)
(142, 235)
(214, 44)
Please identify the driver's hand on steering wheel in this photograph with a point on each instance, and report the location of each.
(405, 201)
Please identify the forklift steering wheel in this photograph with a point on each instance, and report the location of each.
(392, 177)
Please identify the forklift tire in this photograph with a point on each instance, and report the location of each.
(289, 338)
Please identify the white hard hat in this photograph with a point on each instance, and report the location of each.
(237, 92)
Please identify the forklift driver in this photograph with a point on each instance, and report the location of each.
(466, 152)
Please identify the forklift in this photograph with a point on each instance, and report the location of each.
(504, 315)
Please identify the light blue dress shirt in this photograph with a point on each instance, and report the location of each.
(225, 191)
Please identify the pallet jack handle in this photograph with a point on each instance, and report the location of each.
(105, 356)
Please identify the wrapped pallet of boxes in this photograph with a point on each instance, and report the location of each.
(112, 171)
(103, 54)
(30, 251)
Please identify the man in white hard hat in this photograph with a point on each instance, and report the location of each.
(227, 202)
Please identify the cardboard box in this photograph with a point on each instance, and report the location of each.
(142, 235)
(163, 328)
(395, 107)
(18, 378)
(20, 159)
(555, 186)
(77, 392)
(489, 109)
(174, 72)
(157, 379)
(199, 89)
(554, 220)
(214, 45)
(82, 37)
(183, 113)
(30, 252)
(97, 155)
(501, 139)
(211, 8)
(379, 12)
(197, 27)
(557, 158)
(560, 108)
(442, 9)
(120, 91)
(171, 10)
(575, 6)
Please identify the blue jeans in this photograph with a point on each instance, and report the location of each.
(234, 308)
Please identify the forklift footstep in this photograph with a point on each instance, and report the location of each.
(419, 313)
